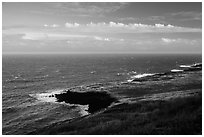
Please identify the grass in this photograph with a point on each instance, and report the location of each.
(176, 116)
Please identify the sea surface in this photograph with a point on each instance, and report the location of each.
(28, 81)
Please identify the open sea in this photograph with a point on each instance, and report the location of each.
(29, 80)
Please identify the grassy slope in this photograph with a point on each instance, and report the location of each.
(177, 116)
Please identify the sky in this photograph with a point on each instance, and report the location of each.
(98, 27)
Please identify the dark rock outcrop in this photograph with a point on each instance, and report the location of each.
(95, 100)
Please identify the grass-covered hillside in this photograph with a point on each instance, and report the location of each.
(174, 116)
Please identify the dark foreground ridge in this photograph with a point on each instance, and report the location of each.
(179, 116)
(95, 100)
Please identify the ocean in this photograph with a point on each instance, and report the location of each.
(29, 81)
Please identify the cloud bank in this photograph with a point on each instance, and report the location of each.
(50, 36)
(113, 27)
(180, 41)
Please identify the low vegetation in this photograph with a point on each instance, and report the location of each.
(175, 116)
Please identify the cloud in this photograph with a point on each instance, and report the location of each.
(106, 39)
(187, 15)
(181, 41)
(51, 26)
(102, 28)
(50, 36)
(70, 25)
(166, 18)
(54, 25)
(34, 36)
(68, 42)
(45, 25)
(149, 19)
(79, 9)
(114, 27)
(98, 38)
(90, 8)
(121, 40)
(68, 38)
(101, 38)
(167, 40)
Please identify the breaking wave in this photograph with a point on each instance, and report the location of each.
(88, 102)
(138, 76)
(94, 97)
(176, 70)
(166, 75)
(50, 97)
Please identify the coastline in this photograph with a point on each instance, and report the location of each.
(180, 115)
(172, 107)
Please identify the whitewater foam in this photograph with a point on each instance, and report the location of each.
(48, 96)
(190, 66)
(138, 76)
(185, 66)
(142, 75)
(176, 70)
(84, 110)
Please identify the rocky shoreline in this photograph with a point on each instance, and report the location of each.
(95, 100)
(171, 106)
